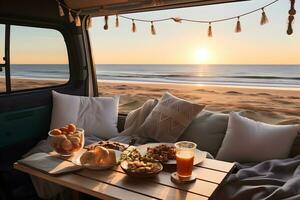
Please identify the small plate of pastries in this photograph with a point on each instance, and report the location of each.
(98, 158)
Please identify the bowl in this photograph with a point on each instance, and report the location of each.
(124, 166)
(67, 144)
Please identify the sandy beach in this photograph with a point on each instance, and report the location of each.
(268, 105)
(264, 104)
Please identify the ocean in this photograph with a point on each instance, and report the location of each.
(238, 75)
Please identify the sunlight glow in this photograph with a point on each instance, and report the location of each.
(202, 55)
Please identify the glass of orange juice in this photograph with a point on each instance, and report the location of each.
(185, 152)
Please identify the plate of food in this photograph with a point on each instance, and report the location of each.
(113, 145)
(139, 168)
(166, 153)
(136, 165)
(98, 158)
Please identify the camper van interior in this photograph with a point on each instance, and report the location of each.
(127, 99)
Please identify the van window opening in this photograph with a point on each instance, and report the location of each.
(33, 58)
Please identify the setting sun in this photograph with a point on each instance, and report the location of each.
(202, 55)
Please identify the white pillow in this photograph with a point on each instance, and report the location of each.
(98, 116)
(247, 140)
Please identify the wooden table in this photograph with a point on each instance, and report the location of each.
(115, 184)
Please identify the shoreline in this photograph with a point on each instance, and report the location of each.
(205, 85)
(170, 83)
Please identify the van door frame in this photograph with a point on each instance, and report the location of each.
(6, 59)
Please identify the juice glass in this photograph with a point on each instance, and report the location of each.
(185, 152)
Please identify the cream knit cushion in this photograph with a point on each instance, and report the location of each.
(170, 117)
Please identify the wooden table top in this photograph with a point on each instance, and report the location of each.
(115, 184)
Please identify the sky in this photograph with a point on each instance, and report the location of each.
(174, 43)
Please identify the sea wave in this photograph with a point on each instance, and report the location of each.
(254, 75)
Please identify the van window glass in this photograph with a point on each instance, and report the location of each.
(2, 72)
(38, 58)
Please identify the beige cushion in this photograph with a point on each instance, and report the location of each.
(169, 118)
(207, 130)
(247, 140)
(137, 117)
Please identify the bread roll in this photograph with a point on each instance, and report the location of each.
(74, 140)
(71, 127)
(57, 140)
(110, 159)
(67, 145)
(56, 132)
(90, 158)
(102, 152)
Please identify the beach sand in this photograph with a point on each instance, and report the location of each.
(262, 104)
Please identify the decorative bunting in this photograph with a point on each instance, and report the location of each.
(105, 27)
(133, 26)
(209, 33)
(238, 27)
(117, 21)
(60, 10)
(264, 18)
(71, 18)
(153, 32)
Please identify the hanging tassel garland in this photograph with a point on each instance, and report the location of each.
(133, 27)
(209, 30)
(291, 18)
(153, 31)
(74, 16)
(77, 20)
(71, 18)
(89, 22)
(61, 11)
(264, 18)
(117, 21)
(238, 27)
(105, 27)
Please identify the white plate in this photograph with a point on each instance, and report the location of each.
(199, 155)
(76, 160)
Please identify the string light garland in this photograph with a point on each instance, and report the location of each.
(264, 19)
